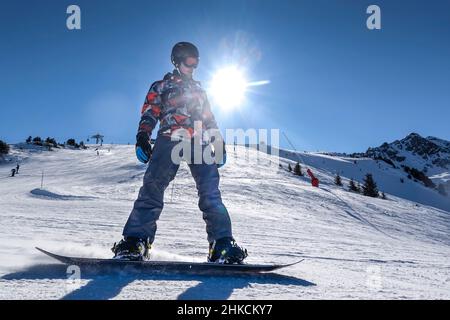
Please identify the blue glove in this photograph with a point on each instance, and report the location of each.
(141, 155)
(224, 158)
(143, 147)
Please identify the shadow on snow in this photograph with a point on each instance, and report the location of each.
(107, 285)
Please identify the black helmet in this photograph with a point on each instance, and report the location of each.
(183, 50)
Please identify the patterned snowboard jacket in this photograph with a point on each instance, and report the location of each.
(176, 102)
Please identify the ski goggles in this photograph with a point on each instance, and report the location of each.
(190, 62)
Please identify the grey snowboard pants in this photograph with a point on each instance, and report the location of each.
(160, 172)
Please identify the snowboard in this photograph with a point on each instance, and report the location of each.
(207, 268)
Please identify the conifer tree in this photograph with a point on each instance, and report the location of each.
(352, 186)
(338, 180)
(298, 170)
(370, 187)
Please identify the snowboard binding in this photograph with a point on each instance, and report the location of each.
(133, 249)
(226, 251)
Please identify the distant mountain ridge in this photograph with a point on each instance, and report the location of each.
(429, 155)
(429, 151)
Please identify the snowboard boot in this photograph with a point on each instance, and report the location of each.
(226, 250)
(131, 248)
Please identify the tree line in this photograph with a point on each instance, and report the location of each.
(369, 187)
(51, 142)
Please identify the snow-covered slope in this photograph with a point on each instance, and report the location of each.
(389, 180)
(354, 246)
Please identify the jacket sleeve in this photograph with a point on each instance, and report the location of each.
(151, 110)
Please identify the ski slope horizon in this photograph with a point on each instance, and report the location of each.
(355, 247)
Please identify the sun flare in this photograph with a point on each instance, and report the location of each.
(228, 88)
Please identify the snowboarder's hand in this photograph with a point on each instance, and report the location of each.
(221, 162)
(143, 147)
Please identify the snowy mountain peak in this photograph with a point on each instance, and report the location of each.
(422, 146)
(414, 150)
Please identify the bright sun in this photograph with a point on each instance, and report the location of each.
(228, 88)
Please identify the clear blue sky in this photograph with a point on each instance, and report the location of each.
(334, 85)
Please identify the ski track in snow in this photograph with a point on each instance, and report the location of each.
(354, 247)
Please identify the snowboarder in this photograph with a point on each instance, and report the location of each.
(13, 172)
(177, 102)
(17, 168)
